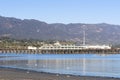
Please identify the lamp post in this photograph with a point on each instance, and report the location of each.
(84, 34)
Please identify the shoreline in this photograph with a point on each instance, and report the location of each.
(22, 74)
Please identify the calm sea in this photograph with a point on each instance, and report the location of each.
(73, 64)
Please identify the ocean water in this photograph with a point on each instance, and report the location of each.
(71, 64)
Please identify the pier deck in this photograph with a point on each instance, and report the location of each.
(60, 51)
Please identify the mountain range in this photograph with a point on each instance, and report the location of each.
(101, 33)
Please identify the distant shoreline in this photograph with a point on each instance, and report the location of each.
(22, 74)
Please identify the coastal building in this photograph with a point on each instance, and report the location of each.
(32, 48)
(58, 46)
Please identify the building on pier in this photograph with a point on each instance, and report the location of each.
(58, 46)
(32, 48)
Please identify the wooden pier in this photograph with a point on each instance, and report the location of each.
(59, 51)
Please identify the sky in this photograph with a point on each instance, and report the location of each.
(63, 11)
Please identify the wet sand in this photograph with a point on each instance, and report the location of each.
(17, 74)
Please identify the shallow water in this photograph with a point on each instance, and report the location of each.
(74, 64)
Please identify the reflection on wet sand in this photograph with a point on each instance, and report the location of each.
(79, 66)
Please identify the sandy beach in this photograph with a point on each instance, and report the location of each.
(17, 74)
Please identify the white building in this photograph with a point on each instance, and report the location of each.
(59, 46)
(97, 47)
(32, 48)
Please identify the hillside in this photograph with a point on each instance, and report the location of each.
(34, 29)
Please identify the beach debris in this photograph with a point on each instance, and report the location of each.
(68, 76)
(57, 74)
(28, 72)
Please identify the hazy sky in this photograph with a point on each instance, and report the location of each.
(63, 11)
